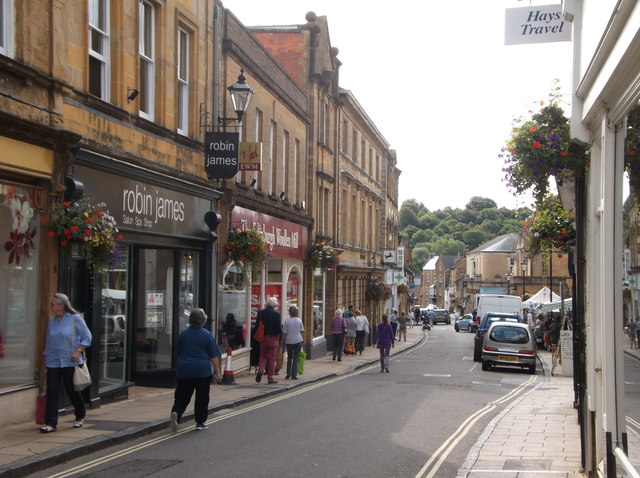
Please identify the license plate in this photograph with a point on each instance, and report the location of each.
(506, 358)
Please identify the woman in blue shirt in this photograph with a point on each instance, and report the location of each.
(197, 351)
(67, 336)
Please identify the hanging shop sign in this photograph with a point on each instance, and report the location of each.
(535, 25)
(221, 154)
(285, 239)
(250, 156)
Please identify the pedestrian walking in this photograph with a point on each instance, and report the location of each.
(632, 333)
(637, 331)
(270, 319)
(362, 329)
(402, 326)
(393, 320)
(416, 316)
(67, 337)
(338, 329)
(351, 334)
(197, 352)
(384, 341)
(292, 335)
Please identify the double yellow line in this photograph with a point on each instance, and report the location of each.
(447, 447)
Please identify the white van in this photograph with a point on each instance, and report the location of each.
(497, 303)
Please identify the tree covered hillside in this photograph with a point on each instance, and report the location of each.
(450, 231)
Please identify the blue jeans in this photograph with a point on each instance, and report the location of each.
(293, 351)
(54, 376)
(384, 356)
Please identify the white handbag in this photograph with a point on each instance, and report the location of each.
(81, 376)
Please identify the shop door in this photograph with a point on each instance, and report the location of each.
(154, 295)
(166, 289)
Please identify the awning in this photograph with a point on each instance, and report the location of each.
(555, 306)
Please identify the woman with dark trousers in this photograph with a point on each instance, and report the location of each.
(197, 352)
(292, 332)
(384, 341)
(67, 336)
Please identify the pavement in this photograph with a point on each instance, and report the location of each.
(535, 435)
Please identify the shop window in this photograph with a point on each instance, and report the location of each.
(233, 321)
(113, 325)
(274, 271)
(293, 289)
(19, 230)
(318, 304)
(99, 48)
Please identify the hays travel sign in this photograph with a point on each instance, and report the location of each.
(535, 25)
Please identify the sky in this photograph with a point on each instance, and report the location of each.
(438, 82)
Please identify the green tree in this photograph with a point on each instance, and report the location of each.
(474, 237)
(477, 203)
(407, 217)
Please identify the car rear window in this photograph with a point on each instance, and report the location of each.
(509, 335)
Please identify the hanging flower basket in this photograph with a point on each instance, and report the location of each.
(377, 290)
(247, 250)
(541, 147)
(89, 228)
(324, 257)
(550, 229)
(403, 288)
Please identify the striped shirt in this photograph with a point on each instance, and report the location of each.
(338, 325)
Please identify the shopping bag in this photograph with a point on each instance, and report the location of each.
(279, 360)
(301, 357)
(41, 408)
(259, 335)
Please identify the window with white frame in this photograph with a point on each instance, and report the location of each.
(183, 81)
(99, 49)
(272, 157)
(6, 28)
(147, 59)
(285, 162)
(296, 170)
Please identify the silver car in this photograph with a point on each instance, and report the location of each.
(509, 344)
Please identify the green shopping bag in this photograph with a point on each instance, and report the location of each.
(301, 358)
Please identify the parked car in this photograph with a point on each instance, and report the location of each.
(487, 320)
(441, 315)
(466, 322)
(509, 344)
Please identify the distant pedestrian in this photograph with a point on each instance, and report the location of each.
(402, 326)
(416, 316)
(292, 332)
(632, 333)
(384, 341)
(393, 320)
(637, 331)
(67, 337)
(362, 329)
(270, 319)
(197, 352)
(351, 334)
(338, 329)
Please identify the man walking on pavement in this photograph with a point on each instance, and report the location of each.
(270, 319)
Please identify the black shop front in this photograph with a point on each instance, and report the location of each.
(138, 308)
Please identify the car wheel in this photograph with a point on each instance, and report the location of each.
(457, 328)
(485, 365)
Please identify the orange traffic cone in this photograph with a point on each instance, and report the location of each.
(227, 377)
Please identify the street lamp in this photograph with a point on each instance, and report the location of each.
(509, 277)
(240, 97)
(523, 266)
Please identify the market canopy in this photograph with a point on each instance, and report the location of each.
(543, 296)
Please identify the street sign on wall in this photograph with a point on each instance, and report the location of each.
(221, 154)
(535, 25)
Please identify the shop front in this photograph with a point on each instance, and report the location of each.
(25, 172)
(137, 310)
(240, 298)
